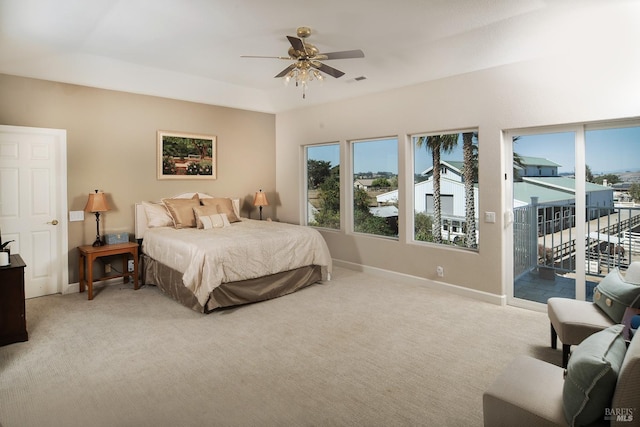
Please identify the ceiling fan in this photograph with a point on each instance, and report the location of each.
(307, 57)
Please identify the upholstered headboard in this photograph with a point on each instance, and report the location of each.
(141, 215)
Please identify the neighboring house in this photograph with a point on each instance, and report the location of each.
(556, 199)
(540, 180)
(452, 198)
(537, 166)
(451, 169)
(365, 184)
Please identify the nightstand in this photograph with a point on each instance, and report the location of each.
(88, 254)
(13, 321)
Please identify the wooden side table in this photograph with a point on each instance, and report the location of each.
(89, 253)
(13, 321)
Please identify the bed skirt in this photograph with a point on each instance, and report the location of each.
(228, 294)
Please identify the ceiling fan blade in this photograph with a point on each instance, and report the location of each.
(345, 54)
(326, 69)
(268, 57)
(297, 44)
(285, 71)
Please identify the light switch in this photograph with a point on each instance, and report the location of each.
(76, 215)
(490, 217)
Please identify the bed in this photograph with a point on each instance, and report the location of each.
(200, 252)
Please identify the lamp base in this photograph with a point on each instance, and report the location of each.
(98, 241)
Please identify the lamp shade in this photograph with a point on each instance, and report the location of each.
(97, 203)
(260, 199)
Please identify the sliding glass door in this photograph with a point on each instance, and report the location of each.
(576, 205)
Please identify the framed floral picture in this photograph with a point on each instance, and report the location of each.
(186, 156)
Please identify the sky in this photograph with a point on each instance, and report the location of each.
(380, 155)
(608, 151)
(377, 155)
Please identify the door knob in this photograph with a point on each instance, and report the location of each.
(54, 222)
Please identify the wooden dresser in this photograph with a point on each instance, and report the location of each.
(13, 319)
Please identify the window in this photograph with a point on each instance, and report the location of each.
(444, 192)
(323, 185)
(375, 187)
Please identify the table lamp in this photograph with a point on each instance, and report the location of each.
(260, 200)
(97, 203)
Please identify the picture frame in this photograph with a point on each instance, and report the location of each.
(186, 156)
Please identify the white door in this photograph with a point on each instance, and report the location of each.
(33, 204)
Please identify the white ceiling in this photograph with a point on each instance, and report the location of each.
(190, 49)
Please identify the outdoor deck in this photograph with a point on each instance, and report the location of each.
(532, 287)
(618, 229)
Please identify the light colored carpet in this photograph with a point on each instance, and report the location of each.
(356, 351)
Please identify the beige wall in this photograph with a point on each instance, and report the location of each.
(111, 146)
(538, 93)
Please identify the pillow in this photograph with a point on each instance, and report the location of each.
(633, 273)
(157, 215)
(201, 211)
(224, 205)
(591, 376)
(613, 295)
(215, 221)
(181, 211)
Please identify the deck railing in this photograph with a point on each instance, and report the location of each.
(545, 235)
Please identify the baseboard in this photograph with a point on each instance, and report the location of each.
(71, 288)
(432, 284)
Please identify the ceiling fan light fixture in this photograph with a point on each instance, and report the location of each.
(307, 64)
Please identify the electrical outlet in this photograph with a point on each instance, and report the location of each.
(130, 266)
(107, 268)
(440, 271)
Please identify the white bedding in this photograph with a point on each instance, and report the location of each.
(245, 250)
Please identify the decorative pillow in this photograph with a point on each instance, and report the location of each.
(613, 295)
(591, 376)
(157, 215)
(181, 211)
(224, 205)
(201, 211)
(633, 273)
(215, 221)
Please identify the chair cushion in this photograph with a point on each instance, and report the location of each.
(591, 378)
(613, 295)
(528, 392)
(575, 320)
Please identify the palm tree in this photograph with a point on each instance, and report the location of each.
(518, 163)
(470, 162)
(437, 144)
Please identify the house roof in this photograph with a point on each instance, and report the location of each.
(523, 191)
(365, 181)
(538, 161)
(549, 189)
(564, 183)
(454, 165)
